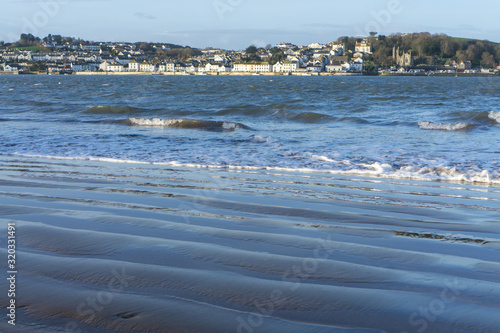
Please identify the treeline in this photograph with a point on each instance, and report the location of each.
(433, 49)
(29, 40)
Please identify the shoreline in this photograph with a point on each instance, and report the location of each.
(258, 74)
(218, 250)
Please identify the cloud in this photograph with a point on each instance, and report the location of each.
(145, 16)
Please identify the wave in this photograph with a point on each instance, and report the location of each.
(355, 120)
(260, 139)
(483, 117)
(437, 173)
(494, 115)
(207, 125)
(427, 125)
(311, 117)
(106, 109)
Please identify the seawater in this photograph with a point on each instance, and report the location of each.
(431, 128)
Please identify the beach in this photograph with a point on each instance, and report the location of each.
(107, 246)
(249, 204)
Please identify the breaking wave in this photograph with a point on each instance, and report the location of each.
(207, 125)
(427, 125)
(494, 115)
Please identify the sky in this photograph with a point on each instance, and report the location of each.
(236, 24)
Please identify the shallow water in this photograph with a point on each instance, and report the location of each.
(124, 247)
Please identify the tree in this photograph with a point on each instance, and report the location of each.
(38, 67)
(487, 60)
(252, 49)
(373, 33)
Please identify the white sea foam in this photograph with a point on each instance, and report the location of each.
(208, 125)
(495, 115)
(260, 139)
(376, 169)
(154, 122)
(228, 126)
(427, 125)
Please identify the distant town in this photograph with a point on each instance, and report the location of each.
(399, 54)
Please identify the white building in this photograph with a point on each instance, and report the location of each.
(90, 47)
(146, 67)
(84, 67)
(337, 67)
(133, 66)
(211, 68)
(263, 67)
(316, 46)
(364, 47)
(111, 67)
(337, 50)
(357, 65)
(192, 69)
(286, 46)
(286, 67)
(167, 67)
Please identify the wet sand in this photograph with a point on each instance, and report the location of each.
(123, 247)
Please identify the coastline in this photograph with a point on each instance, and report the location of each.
(201, 250)
(259, 74)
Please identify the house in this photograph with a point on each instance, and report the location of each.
(211, 68)
(357, 65)
(315, 66)
(170, 67)
(11, 67)
(337, 49)
(84, 67)
(192, 68)
(262, 67)
(180, 67)
(145, 67)
(90, 47)
(289, 66)
(166, 67)
(319, 54)
(364, 47)
(111, 67)
(285, 46)
(133, 66)
(336, 67)
(358, 55)
(316, 46)
(122, 60)
(465, 65)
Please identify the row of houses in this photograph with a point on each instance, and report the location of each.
(127, 57)
(336, 64)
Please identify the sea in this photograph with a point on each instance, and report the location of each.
(429, 128)
(249, 204)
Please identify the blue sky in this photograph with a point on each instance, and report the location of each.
(235, 24)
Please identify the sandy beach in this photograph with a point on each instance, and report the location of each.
(125, 247)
